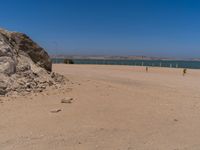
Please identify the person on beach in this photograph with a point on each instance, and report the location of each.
(147, 69)
(184, 71)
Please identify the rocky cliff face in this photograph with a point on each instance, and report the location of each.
(24, 65)
(16, 44)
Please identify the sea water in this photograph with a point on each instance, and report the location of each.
(153, 63)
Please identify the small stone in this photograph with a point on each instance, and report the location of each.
(175, 120)
(28, 85)
(67, 100)
(55, 110)
(43, 87)
(28, 90)
(38, 90)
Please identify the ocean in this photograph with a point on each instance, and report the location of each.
(153, 63)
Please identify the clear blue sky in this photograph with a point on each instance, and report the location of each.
(168, 28)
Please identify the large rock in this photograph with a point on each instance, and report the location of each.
(24, 65)
(21, 44)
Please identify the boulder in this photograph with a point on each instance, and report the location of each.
(24, 65)
(15, 43)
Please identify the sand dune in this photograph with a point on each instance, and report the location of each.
(113, 108)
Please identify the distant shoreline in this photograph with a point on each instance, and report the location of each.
(136, 62)
(99, 57)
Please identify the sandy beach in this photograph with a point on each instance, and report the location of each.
(113, 108)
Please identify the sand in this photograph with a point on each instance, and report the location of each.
(113, 108)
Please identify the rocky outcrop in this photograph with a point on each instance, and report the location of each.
(24, 65)
(21, 44)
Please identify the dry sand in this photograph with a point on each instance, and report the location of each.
(114, 108)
